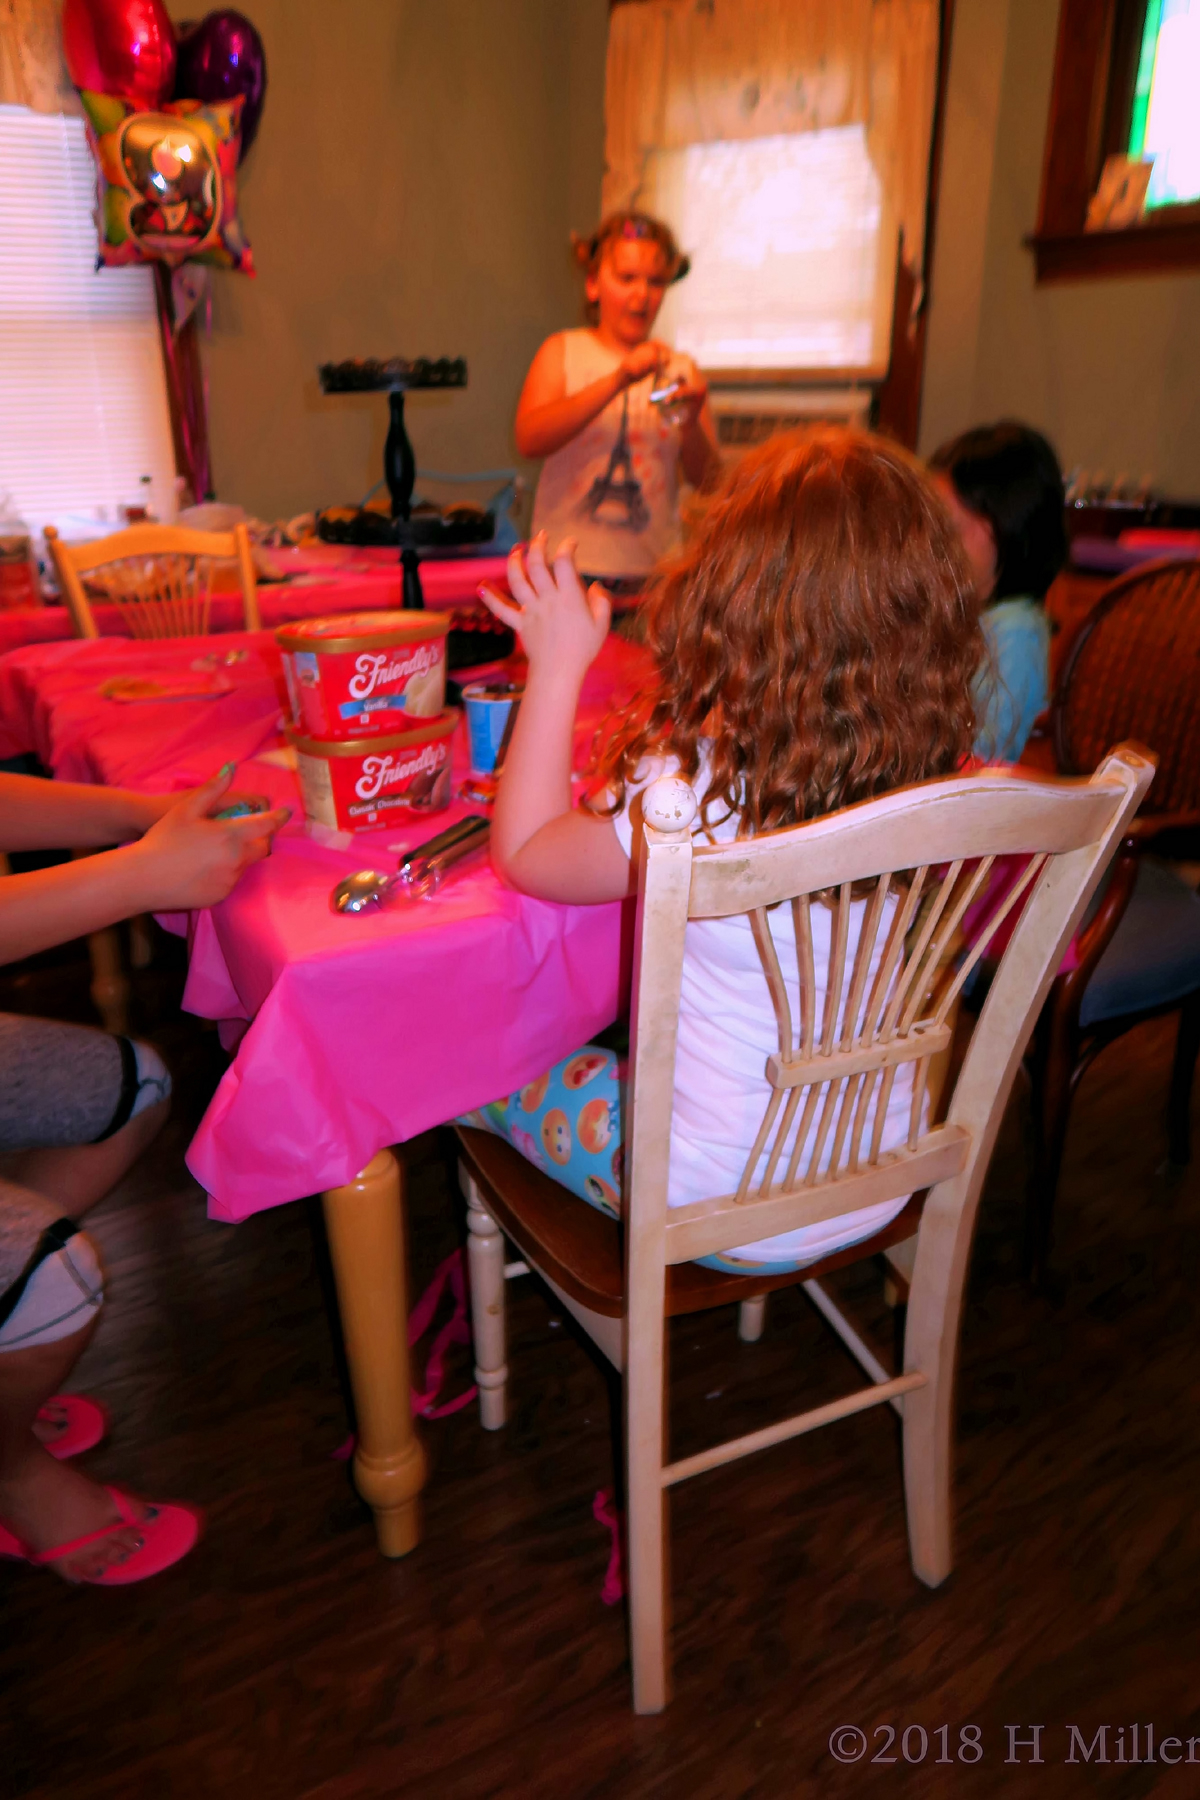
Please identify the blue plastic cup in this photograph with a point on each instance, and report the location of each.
(491, 710)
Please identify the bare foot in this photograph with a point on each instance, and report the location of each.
(50, 1424)
(48, 1503)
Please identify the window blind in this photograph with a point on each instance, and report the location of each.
(793, 263)
(83, 402)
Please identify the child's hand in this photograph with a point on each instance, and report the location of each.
(562, 627)
(144, 810)
(645, 359)
(191, 860)
(687, 402)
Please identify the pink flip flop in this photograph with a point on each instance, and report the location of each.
(84, 1424)
(167, 1535)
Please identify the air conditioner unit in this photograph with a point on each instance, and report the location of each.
(749, 415)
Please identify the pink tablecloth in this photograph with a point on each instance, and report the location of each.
(362, 1031)
(327, 581)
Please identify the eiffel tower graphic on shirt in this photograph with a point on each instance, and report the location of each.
(622, 490)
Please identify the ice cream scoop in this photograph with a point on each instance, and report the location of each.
(419, 875)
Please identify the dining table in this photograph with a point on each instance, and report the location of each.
(347, 1034)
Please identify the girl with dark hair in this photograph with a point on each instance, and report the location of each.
(1004, 489)
(812, 646)
(612, 455)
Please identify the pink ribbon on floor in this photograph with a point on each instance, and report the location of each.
(456, 1330)
(605, 1513)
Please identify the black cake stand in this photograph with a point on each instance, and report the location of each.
(397, 377)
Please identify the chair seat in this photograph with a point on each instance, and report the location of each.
(582, 1249)
(1154, 957)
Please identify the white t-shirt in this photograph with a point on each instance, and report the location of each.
(727, 1029)
(615, 486)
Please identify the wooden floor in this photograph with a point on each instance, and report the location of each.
(285, 1661)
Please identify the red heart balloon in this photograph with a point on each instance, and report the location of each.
(222, 56)
(124, 47)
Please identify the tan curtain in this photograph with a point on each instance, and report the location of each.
(692, 71)
(32, 72)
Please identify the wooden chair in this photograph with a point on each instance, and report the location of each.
(160, 576)
(942, 838)
(1133, 672)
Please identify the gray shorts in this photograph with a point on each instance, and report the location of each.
(60, 1086)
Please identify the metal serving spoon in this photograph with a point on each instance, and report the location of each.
(419, 875)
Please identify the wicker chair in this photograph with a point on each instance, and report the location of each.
(1132, 673)
(160, 577)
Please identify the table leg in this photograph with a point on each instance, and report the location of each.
(365, 1225)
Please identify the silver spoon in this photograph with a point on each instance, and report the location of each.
(419, 875)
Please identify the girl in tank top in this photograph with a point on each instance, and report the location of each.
(613, 456)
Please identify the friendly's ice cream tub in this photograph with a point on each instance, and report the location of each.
(363, 674)
(361, 784)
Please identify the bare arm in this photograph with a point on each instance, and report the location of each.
(541, 844)
(56, 815)
(185, 861)
(699, 457)
(548, 417)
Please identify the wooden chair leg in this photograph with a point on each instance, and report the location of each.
(1179, 1104)
(646, 1517)
(365, 1223)
(485, 1258)
(110, 984)
(931, 1344)
(752, 1319)
(141, 941)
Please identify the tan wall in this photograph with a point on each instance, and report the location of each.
(1109, 369)
(417, 170)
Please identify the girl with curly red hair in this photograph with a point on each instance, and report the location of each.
(812, 646)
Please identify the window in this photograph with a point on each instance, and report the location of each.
(1165, 121)
(786, 236)
(83, 403)
(1126, 80)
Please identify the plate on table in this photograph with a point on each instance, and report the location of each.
(128, 688)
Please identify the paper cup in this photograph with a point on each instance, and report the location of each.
(491, 709)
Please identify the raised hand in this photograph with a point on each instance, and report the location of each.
(562, 625)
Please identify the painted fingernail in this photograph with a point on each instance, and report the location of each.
(225, 769)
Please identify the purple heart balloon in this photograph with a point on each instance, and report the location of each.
(222, 57)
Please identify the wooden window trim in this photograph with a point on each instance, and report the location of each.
(1089, 105)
